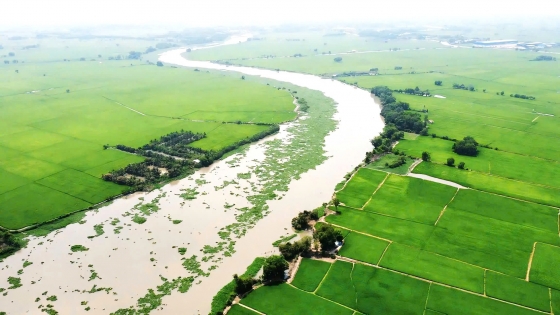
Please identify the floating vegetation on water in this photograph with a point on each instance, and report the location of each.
(176, 221)
(78, 248)
(284, 239)
(201, 181)
(117, 230)
(225, 184)
(138, 219)
(244, 175)
(228, 205)
(182, 250)
(98, 228)
(93, 275)
(14, 283)
(115, 221)
(189, 194)
(95, 289)
(52, 298)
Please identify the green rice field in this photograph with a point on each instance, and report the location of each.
(56, 116)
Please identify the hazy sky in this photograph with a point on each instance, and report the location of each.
(250, 12)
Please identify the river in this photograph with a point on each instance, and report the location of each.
(128, 259)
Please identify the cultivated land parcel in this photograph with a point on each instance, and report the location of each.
(420, 247)
(56, 115)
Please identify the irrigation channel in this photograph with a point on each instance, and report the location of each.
(127, 260)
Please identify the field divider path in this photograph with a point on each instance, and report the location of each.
(378, 187)
(530, 261)
(359, 232)
(353, 285)
(250, 308)
(132, 109)
(484, 285)
(438, 283)
(323, 298)
(427, 298)
(550, 299)
(445, 208)
(324, 277)
(383, 254)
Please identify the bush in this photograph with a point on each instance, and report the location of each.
(327, 236)
(450, 162)
(274, 267)
(461, 165)
(243, 284)
(301, 221)
(426, 156)
(338, 59)
(467, 146)
(290, 251)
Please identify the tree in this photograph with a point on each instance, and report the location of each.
(450, 162)
(274, 267)
(290, 251)
(484, 91)
(502, 93)
(426, 156)
(242, 77)
(438, 82)
(338, 59)
(461, 165)
(467, 146)
(243, 284)
(11, 54)
(336, 203)
(327, 236)
(160, 64)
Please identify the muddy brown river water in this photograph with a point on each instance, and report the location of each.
(132, 260)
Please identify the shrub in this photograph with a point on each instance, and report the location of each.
(426, 156)
(327, 236)
(243, 284)
(461, 165)
(467, 146)
(450, 162)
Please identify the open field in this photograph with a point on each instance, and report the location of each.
(411, 199)
(358, 191)
(363, 248)
(380, 164)
(513, 166)
(57, 115)
(312, 272)
(499, 185)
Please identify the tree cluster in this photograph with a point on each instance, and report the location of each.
(545, 58)
(401, 160)
(463, 87)
(415, 91)
(8, 243)
(438, 83)
(398, 113)
(338, 59)
(301, 221)
(274, 267)
(384, 142)
(467, 146)
(327, 235)
(290, 251)
(525, 97)
(398, 68)
(303, 106)
(243, 284)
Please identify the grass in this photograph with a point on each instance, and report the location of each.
(51, 141)
(371, 290)
(545, 266)
(240, 310)
(310, 273)
(359, 189)
(424, 264)
(227, 293)
(451, 301)
(499, 185)
(398, 230)
(389, 159)
(411, 199)
(363, 248)
(284, 299)
(517, 291)
(500, 163)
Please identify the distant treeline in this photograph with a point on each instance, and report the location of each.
(544, 58)
(172, 153)
(525, 97)
(463, 87)
(415, 91)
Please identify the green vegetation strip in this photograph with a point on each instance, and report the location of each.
(227, 293)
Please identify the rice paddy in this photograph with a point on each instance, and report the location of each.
(56, 117)
(418, 246)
